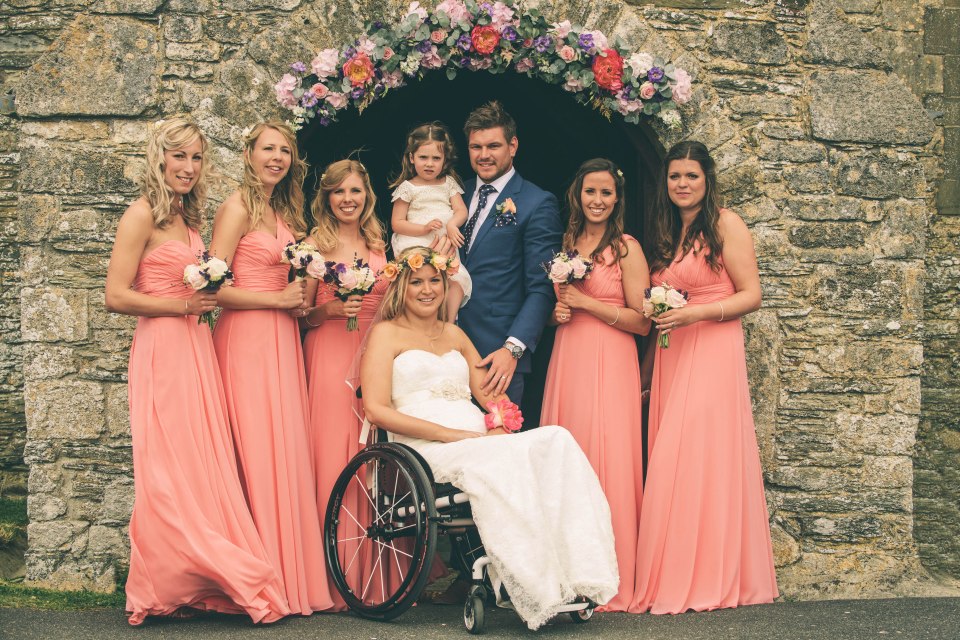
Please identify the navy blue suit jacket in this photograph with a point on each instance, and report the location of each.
(511, 293)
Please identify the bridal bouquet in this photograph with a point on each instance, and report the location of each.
(567, 267)
(503, 413)
(350, 279)
(301, 255)
(209, 274)
(658, 300)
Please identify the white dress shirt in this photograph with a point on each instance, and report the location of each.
(499, 184)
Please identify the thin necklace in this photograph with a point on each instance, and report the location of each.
(436, 337)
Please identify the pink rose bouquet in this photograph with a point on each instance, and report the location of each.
(209, 274)
(300, 255)
(503, 413)
(567, 267)
(350, 279)
(658, 300)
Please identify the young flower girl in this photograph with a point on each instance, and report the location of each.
(427, 201)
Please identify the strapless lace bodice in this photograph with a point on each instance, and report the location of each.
(436, 388)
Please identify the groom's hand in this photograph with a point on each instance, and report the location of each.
(502, 367)
(443, 246)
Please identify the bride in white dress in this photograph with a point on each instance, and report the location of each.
(537, 503)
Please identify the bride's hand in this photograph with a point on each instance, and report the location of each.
(499, 431)
(456, 435)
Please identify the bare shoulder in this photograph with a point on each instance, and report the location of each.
(632, 252)
(382, 333)
(138, 218)
(232, 209)
(732, 224)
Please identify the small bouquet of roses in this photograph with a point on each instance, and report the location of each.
(301, 255)
(658, 300)
(352, 279)
(209, 274)
(567, 267)
(503, 413)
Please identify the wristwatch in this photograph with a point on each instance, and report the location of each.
(515, 350)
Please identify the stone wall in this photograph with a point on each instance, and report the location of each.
(937, 470)
(814, 113)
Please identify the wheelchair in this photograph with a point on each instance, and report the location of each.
(380, 537)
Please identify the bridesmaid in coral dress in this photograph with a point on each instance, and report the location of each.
(258, 346)
(704, 530)
(593, 382)
(347, 227)
(193, 544)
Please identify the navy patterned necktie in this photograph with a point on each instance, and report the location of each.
(485, 191)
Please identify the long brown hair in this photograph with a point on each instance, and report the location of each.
(667, 225)
(326, 233)
(425, 134)
(166, 135)
(614, 231)
(287, 199)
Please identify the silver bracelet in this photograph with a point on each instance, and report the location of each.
(721, 311)
(186, 307)
(615, 319)
(306, 321)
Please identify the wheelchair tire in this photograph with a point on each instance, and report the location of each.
(379, 560)
(474, 613)
(583, 615)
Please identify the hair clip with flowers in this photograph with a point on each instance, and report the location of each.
(392, 270)
(619, 173)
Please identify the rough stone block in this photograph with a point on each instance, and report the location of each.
(72, 410)
(194, 51)
(67, 171)
(180, 28)
(141, 7)
(106, 541)
(808, 178)
(118, 416)
(833, 40)
(53, 536)
(50, 314)
(45, 361)
(879, 174)
(886, 112)
(835, 235)
(42, 507)
(99, 66)
(751, 42)
(62, 572)
(941, 30)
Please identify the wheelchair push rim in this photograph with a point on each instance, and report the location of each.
(380, 531)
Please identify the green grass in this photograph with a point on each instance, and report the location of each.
(13, 520)
(14, 596)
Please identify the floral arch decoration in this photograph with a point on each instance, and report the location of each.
(466, 35)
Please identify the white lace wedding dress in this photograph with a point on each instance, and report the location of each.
(537, 503)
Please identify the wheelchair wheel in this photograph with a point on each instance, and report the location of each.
(380, 533)
(473, 611)
(583, 615)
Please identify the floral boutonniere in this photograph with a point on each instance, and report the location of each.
(506, 213)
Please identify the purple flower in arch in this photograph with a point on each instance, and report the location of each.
(324, 121)
(357, 93)
(655, 74)
(298, 67)
(424, 46)
(509, 33)
(487, 8)
(465, 43)
(378, 89)
(585, 41)
(349, 52)
(377, 25)
(308, 99)
(465, 61)
(628, 91)
(542, 43)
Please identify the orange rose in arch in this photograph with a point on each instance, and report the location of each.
(485, 39)
(608, 70)
(358, 69)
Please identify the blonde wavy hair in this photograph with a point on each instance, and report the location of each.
(167, 135)
(395, 298)
(326, 233)
(287, 198)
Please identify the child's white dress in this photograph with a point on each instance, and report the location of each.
(430, 202)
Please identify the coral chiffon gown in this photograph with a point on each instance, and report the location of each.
(262, 365)
(330, 351)
(704, 538)
(593, 390)
(192, 540)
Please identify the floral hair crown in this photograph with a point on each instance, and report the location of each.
(415, 260)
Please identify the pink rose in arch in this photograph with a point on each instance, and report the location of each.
(567, 54)
(320, 90)
(438, 36)
(524, 65)
(647, 90)
(337, 100)
(682, 91)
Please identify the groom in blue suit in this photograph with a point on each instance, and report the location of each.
(512, 226)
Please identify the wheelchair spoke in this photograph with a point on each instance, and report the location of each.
(363, 490)
(390, 511)
(353, 559)
(370, 578)
(390, 545)
(344, 508)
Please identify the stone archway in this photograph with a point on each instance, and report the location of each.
(556, 135)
